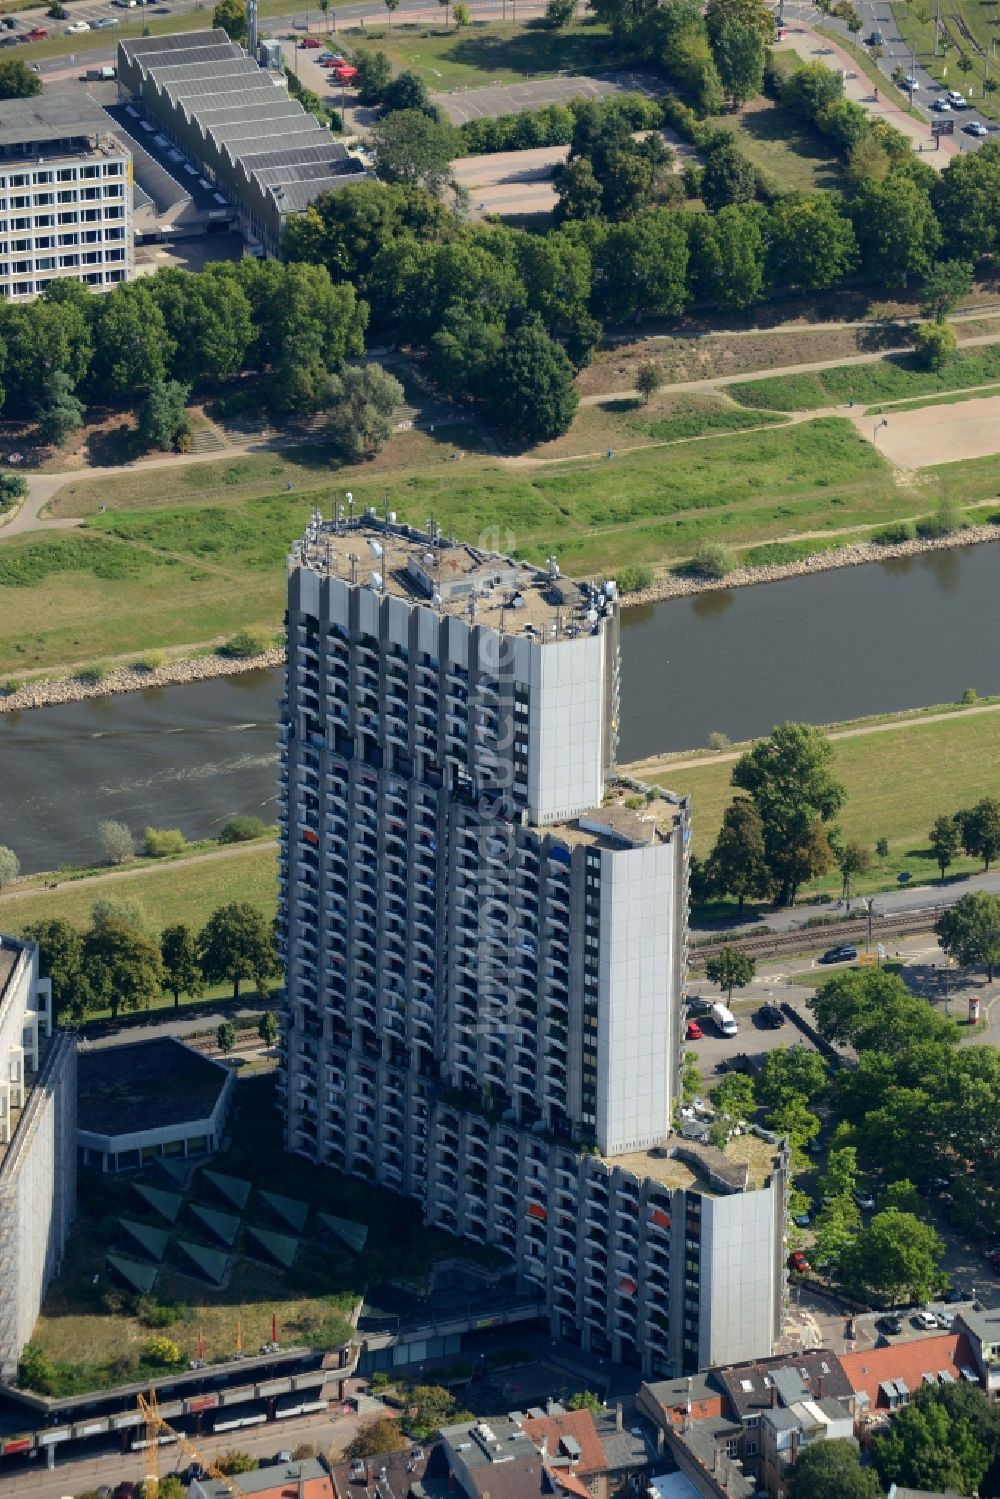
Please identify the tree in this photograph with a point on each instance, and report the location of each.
(969, 931)
(406, 91)
(979, 827)
(209, 316)
(231, 15)
(734, 1096)
(648, 379)
(17, 81)
(10, 866)
(225, 1036)
(535, 399)
(429, 1408)
(831, 1470)
(391, 6)
(237, 943)
(873, 1010)
(812, 90)
(415, 150)
(788, 776)
(375, 1440)
(374, 76)
(730, 969)
(811, 242)
(59, 412)
(60, 959)
(737, 864)
(898, 233)
(897, 1257)
(125, 909)
(559, 13)
(181, 969)
(132, 347)
(935, 345)
(852, 859)
(365, 398)
(945, 284)
(233, 1462)
(791, 1072)
(268, 1028)
(836, 1227)
(945, 839)
(577, 190)
(12, 487)
(728, 176)
(795, 1121)
(122, 967)
(740, 53)
(967, 202)
(641, 267)
(116, 842)
(585, 1400)
(306, 328)
(163, 417)
(926, 1448)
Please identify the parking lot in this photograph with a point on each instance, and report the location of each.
(503, 99)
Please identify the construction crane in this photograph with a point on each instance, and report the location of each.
(157, 1426)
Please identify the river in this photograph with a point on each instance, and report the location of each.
(828, 646)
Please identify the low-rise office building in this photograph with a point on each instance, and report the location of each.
(37, 1145)
(65, 196)
(261, 151)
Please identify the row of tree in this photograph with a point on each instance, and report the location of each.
(117, 964)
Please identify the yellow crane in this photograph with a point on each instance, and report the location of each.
(157, 1426)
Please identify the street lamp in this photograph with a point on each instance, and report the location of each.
(883, 423)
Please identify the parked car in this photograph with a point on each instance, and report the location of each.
(954, 1296)
(724, 1020)
(125, 1490)
(976, 127)
(798, 1262)
(77, 26)
(771, 1017)
(694, 1031)
(864, 1199)
(37, 34)
(308, 43)
(889, 1327)
(9, 22)
(698, 1006)
(815, 1146)
(926, 1321)
(738, 1063)
(944, 1320)
(802, 1220)
(843, 954)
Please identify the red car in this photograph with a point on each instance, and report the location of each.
(694, 1031)
(309, 42)
(798, 1262)
(38, 35)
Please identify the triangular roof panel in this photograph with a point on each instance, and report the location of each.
(175, 1169)
(167, 1204)
(233, 1188)
(140, 1277)
(293, 1213)
(224, 1226)
(280, 1247)
(153, 1240)
(211, 1263)
(354, 1235)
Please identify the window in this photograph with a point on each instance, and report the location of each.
(19, 179)
(66, 174)
(91, 171)
(43, 220)
(41, 177)
(69, 218)
(20, 201)
(43, 198)
(750, 1447)
(67, 195)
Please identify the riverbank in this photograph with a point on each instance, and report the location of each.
(855, 554)
(135, 678)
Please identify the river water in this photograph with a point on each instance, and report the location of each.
(835, 645)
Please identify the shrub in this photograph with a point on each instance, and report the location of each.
(242, 830)
(711, 560)
(633, 579)
(895, 532)
(718, 741)
(946, 519)
(35, 1371)
(12, 487)
(236, 1462)
(246, 643)
(935, 345)
(10, 865)
(95, 673)
(969, 696)
(117, 844)
(151, 1313)
(150, 661)
(162, 1351)
(159, 843)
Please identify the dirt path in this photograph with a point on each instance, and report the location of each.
(229, 852)
(667, 763)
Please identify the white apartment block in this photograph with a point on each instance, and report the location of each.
(65, 198)
(485, 944)
(37, 1146)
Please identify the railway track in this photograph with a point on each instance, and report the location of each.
(825, 934)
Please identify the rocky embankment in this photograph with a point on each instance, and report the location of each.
(852, 555)
(133, 679)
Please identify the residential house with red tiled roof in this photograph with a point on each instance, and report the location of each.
(883, 1379)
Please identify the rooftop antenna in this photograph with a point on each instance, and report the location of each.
(252, 28)
(354, 566)
(350, 504)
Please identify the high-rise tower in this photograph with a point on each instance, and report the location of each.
(485, 933)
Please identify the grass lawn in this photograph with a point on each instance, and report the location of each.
(169, 892)
(894, 376)
(795, 158)
(897, 782)
(481, 54)
(623, 422)
(92, 1332)
(950, 400)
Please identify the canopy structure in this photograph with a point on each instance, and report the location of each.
(288, 1209)
(281, 1248)
(137, 1277)
(354, 1235)
(153, 1240)
(233, 1188)
(167, 1204)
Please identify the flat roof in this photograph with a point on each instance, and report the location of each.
(747, 1161)
(144, 1085)
(511, 595)
(55, 115)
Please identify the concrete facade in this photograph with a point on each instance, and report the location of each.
(485, 939)
(37, 1146)
(65, 199)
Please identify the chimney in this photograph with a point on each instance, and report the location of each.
(619, 1419)
(819, 1386)
(545, 1448)
(774, 1396)
(795, 1446)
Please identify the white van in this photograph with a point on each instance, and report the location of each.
(723, 1019)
